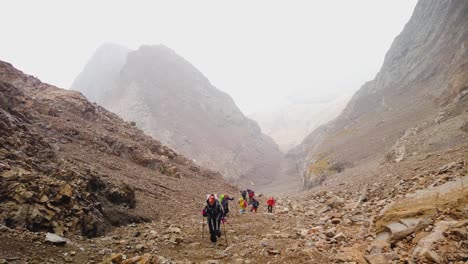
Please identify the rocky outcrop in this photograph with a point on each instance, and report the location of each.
(415, 105)
(171, 100)
(68, 166)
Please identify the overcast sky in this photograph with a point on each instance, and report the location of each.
(260, 52)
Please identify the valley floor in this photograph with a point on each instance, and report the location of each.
(415, 211)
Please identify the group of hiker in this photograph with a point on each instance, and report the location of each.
(243, 202)
(217, 209)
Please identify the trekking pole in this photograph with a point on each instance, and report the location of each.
(225, 236)
(203, 229)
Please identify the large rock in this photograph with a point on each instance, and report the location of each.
(405, 227)
(55, 239)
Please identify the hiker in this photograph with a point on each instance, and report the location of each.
(244, 194)
(243, 205)
(224, 200)
(255, 205)
(214, 212)
(251, 195)
(271, 202)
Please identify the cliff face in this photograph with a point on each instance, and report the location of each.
(69, 166)
(415, 105)
(171, 100)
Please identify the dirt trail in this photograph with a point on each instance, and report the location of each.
(251, 238)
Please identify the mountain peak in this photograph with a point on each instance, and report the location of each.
(174, 102)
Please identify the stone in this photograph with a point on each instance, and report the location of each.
(153, 234)
(398, 231)
(449, 166)
(139, 247)
(114, 258)
(336, 202)
(376, 259)
(133, 260)
(4, 228)
(175, 240)
(105, 251)
(335, 215)
(44, 199)
(392, 256)
(315, 229)
(174, 230)
(264, 243)
(146, 259)
(339, 237)
(432, 256)
(310, 213)
(324, 209)
(273, 252)
(330, 232)
(55, 239)
(335, 221)
(378, 246)
(66, 190)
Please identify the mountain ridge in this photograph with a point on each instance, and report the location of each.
(426, 63)
(172, 100)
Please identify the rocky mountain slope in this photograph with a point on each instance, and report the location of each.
(71, 167)
(414, 211)
(171, 100)
(417, 103)
(289, 124)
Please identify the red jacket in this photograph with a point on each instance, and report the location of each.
(271, 202)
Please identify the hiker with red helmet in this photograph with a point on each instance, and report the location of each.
(271, 202)
(214, 213)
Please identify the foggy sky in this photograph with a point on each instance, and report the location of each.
(262, 53)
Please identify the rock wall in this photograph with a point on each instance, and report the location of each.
(404, 111)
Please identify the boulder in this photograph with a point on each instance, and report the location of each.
(55, 239)
(376, 259)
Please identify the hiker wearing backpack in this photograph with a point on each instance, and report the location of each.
(242, 205)
(244, 194)
(214, 213)
(255, 205)
(251, 195)
(271, 202)
(224, 200)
